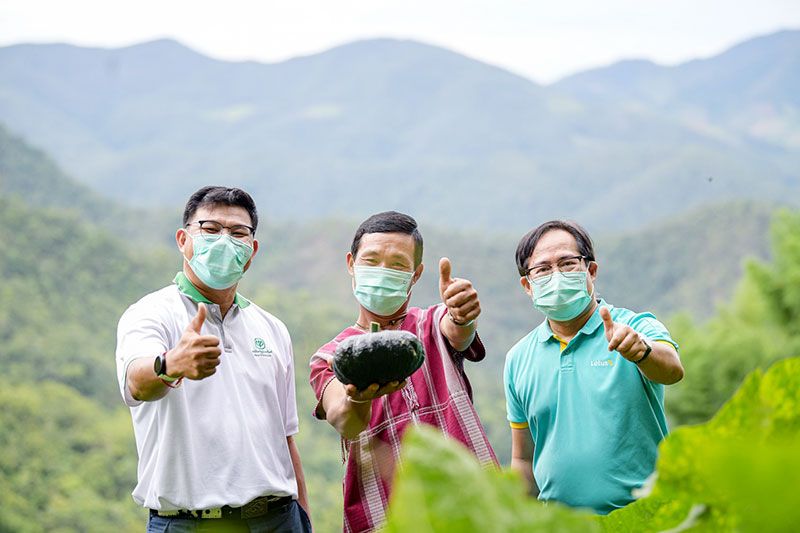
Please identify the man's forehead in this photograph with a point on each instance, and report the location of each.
(223, 213)
(555, 243)
(394, 242)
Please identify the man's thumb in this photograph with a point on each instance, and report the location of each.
(444, 272)
(197, 322)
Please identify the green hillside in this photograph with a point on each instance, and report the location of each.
(69, 272)
(29, 174)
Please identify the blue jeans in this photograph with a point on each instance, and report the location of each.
(290, 519)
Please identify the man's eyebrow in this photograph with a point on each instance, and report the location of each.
(557, 259)
(395, 255)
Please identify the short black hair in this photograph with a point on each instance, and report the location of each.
(216, 195)
(528, 242)
(390, 222)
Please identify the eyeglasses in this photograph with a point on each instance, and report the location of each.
(210, 229)
(541, 273)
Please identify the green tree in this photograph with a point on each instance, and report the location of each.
(760, 326)
(65, 463)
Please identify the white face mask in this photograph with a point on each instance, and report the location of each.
(381, 290)
(219, 260)
(562, 297)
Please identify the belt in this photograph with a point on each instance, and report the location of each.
(259, 507)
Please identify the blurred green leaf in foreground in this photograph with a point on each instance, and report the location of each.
(738, 472)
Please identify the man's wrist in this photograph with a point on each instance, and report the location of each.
(357, 402)
(162, 371)
(460, 324)
(647, 351)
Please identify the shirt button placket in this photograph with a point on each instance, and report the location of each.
(225, 344)
(567, 360)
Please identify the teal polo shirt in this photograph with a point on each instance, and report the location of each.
(595, 419)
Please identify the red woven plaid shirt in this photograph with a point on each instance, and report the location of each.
(438, 393)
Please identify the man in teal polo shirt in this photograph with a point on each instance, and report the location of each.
(584, 389)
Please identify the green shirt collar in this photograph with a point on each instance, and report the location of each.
(595, 321)
(186, 287)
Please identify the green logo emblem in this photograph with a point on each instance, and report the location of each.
(260, 347)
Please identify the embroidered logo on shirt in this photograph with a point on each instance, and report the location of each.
(602, 362)
(260, 348)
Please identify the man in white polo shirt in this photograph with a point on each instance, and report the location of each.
(209, 379)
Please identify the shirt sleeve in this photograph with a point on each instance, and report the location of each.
(321, 376)
(475, 352)
(140, 333)
(290, 422)
(515, 411)
(650, 327)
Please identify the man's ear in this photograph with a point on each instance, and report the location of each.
(350, 260)
(593, 270)
(255, 251)
(417, 273)
(181, 236)
(526, 284)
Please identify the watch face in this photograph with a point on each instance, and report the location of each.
(158, 365)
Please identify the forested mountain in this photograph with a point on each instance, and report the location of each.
(28, 174)
(391, 124)
(687, 264)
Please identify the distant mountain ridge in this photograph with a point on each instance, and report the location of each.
(385, 124)
(752, 89)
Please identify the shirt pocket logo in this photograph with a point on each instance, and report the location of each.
(260, 348)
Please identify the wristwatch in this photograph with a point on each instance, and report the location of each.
(646, 352)
(160, 368)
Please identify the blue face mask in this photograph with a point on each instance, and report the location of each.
(563, 297)
(219, 260)
(381, 290)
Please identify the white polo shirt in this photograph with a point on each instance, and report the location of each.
(221, 440)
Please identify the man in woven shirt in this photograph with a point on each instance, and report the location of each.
(385, 260)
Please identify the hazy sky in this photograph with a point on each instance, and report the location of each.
(543, 40)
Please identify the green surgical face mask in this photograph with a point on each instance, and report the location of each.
(563, 297)
(381, 290)
(219, 260)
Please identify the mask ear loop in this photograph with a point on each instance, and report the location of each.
(594, 291)
(411, 283)
(188, 236)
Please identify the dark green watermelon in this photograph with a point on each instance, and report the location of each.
(379, 358)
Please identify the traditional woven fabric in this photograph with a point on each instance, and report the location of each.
(438, 394)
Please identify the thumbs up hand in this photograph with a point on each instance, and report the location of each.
(622, 338)
(458, 295)
(196, 356)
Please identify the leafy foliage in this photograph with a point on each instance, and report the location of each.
(441, 487)
(758, 327)
(65, 462)
(738, 472)
(64, 282)
(742, 466)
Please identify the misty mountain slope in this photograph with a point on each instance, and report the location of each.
(379, 124)
(751, 90)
